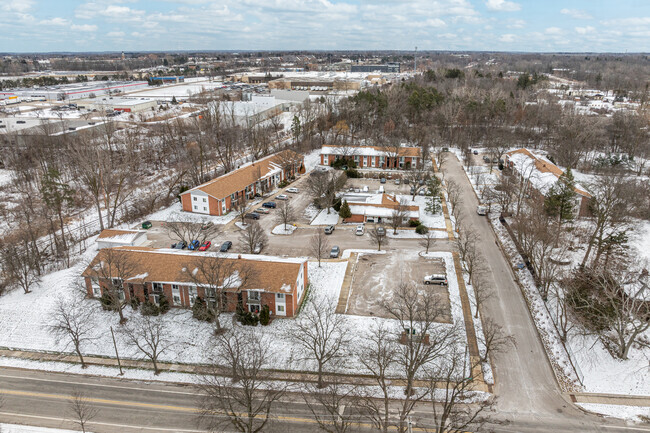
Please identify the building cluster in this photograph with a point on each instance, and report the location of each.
(67, 92)
(374, 157)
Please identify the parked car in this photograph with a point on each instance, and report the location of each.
(396, 181)
(147, 225)
(476, 152)
(486, 159)
(258, 248)
(329, 230)
(445, 149)
(252, 216)
(206, 225)
(360, 230)
(335, 252)
(422, 192)
(205, 246)
(435, 279)
(179, 245)
(194, 245)
(481, 210)
(269, 204)
(225, 246)
(262, 210)
(293, 190)
(406, 181)
(381, 231)
(382, 180)
(282, 197)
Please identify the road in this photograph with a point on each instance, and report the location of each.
(525, 387)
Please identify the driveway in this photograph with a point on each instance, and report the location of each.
(525, 383)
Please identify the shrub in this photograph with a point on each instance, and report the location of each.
(414, 223)
(344, 211)
(200, 311)
(283, 184)
(421, 229)
(337, 204)
(352, 173)
(148, 308)
(107, 303)
(135, 303)
(246, 318)
(163, 304)
(265, 315)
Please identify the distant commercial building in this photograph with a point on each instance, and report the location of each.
(314, 84)
(388, 68)
(75, 91)
(168, 80)
(126, 105)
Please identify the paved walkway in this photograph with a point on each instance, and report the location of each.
(342, 305)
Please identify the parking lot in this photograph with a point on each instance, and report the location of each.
(377, 276)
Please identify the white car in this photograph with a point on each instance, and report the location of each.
(282, 197)
(292, 190)
(360, 230)
(435, 279)
(481, 210)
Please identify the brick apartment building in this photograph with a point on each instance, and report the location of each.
(218, 196)
(147, 273)
(374, 156)
(540, 175)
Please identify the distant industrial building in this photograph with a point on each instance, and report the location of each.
(126, 105)
(73, 91)
(168, 80)
(314, 84)
(388, 68)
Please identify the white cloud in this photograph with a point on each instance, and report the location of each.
(507, 38)
(517, 24)
(625, 22)
(585, 30)
(435, 22)
(54, 22)
(83, 27)
(576, 13)
(115, 34)
(502, 5)
(553, 31)
(16, 5)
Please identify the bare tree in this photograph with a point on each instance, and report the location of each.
(494, 339)
(150, 335)
(113, 267)
(378, 236)
(321, 332)
(399, 213)
(422, 341)
(285, 214)
(81, 409)
(218, 276)
(187, 231)
(378, 355)
(73, 322)
(450, 385)
(246, 405)
(319, 245)
(335, 407)
(20, 266)
(241, 207)
(428, 240)
(253, 237)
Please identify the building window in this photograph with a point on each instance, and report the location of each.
(401, 162)
(196, 207)
(156, 299)
(381, 161)
(194, 198)
(97, 290)
(372, 160)
(176, 294)
(253, 296)
(157, 287)
(280, 295)
(205, 209)
(280, 308)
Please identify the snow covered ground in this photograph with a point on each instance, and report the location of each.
(175, 212)
(5, 176)
(283, 229)
(183, 90)
(430, 220)
(641, 240)
(633, 413)
(324, 219)
(410, 234)
(312, 159)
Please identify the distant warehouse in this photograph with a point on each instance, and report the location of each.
(126, 105)
(388, 68)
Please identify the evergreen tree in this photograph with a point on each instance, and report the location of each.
(265, 315)
(433, 196)
(163, 304)
(345, 211)
(560, 199)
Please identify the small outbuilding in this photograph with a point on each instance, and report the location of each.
(110, 238)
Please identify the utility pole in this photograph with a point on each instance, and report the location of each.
(119, 364)
(415, 58)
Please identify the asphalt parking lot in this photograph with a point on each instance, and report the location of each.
(377, 276)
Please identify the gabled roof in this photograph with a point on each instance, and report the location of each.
(371, 150)
(271, 274)
(548, 173)
(381, 205)
(239, 179)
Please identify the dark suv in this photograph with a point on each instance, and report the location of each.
(269, 204)
(252, 216)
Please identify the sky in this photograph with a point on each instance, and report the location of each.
(166, 25)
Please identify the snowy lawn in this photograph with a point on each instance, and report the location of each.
(240, 225)
(284, 229)
(641, 240)
(5, 176)
(633, 413)
(14, 428)
(175, 212)
(325, 219)
(433, 221)
(312, 159)
(410, 234)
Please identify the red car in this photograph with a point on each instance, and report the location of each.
(205, 245)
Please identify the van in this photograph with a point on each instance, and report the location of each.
(481, 210)
(436, 279)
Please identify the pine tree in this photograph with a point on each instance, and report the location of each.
(265, 315)
(345, 211)
(560, 199)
